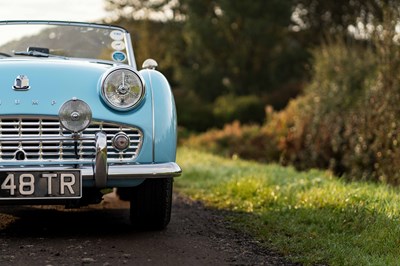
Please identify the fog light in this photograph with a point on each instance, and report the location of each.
(75, 115)
(121, 141)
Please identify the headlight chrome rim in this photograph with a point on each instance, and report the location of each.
(122, 90)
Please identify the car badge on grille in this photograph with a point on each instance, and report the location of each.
(21, 83)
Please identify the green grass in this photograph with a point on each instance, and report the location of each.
(312, 217)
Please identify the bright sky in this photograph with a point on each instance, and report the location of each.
(70, 10)
(64, 10)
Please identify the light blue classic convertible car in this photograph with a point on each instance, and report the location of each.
(77, 116)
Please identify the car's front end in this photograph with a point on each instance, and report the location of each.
(74, 121)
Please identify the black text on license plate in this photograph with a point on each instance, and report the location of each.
(40, 184)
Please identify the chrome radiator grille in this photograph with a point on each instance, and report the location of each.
(35, 140)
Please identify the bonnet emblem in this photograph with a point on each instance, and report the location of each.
(21, 83)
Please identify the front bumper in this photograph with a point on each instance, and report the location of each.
(121, 175)
(124, 173)
(99, 173)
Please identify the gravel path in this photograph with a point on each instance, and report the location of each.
(101, 235)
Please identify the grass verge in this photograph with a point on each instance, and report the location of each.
(312, 217)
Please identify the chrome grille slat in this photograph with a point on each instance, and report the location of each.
(44, 139)
(38, 130)
(27, 148)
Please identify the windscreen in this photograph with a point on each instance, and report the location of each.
(75, 41)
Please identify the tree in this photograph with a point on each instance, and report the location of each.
(239, 47)
(221, 47)
(318, 18)
(161, 10)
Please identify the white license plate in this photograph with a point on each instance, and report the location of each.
(40, 184)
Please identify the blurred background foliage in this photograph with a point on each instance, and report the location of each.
(310, 83)
(214, 52)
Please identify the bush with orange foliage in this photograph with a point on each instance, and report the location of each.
(347, 120)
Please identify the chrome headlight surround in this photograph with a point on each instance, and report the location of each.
(122, 88)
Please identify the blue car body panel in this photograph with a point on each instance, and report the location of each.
(164, 116)
(54, 81)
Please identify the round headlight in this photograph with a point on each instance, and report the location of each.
(122, 88)
(75, 115)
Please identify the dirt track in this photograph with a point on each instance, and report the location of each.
(101, 235)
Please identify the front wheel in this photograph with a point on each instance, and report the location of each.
(151, 204)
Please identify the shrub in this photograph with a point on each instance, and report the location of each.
(319, 137)
(347, 120)
(248, 141)
(351, 124)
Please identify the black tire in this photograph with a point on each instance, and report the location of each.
(124, 193)
(151, 204)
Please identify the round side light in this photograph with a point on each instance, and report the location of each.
(75, 115)
(121, 141)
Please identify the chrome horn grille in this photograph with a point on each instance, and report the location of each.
(43, 139)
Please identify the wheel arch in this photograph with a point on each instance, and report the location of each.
(164, 116)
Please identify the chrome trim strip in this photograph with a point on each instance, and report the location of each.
(61, 23)
(129, 50)
(100, 163)
(153, 134)
(36, 139)
(120, 171)
(53, 163)
(144, 171)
